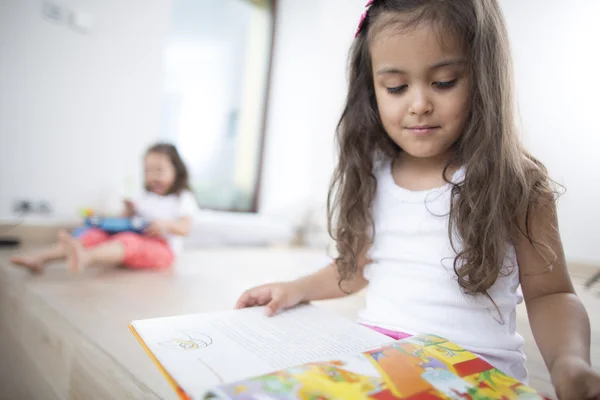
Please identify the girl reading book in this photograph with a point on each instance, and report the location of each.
(436, 207)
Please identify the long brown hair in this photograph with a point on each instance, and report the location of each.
(503, 182)
(181, 182)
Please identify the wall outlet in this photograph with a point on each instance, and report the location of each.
(22, 207)
(26, 207)
(55, 12)
(43, 207)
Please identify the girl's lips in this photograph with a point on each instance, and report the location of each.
(423, 129)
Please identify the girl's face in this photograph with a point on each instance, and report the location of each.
(159, 173)
(422, 89)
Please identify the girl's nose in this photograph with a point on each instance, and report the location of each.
(420, 103)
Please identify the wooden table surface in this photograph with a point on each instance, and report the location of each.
(100, 303)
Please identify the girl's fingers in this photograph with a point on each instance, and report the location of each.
(263, 298)
(258, 296)
(243, 300)
(273, 306)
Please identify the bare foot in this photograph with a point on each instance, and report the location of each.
(77, 259)
(35, 265)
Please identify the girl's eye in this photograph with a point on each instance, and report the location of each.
(397, 89)
(445, 85)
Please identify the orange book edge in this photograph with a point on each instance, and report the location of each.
(180, 392)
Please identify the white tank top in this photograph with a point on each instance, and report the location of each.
(413, 287)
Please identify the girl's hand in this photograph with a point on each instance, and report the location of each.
(574, 379)
(130, 210)
(276, 296)
(157, 228)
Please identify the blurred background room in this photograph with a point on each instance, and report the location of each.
(250, 91)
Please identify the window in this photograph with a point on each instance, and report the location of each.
(216, 64)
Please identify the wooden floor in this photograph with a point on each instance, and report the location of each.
(101, 358)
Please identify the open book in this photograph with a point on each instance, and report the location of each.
(309, 353)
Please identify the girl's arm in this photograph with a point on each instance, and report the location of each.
(128, 209)
(324, 284)
(559, 322)
(180, 227)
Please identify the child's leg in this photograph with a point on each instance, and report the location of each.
(91, 237)
(143, 252)
(78, 257)
(129, 249)
(36, 261)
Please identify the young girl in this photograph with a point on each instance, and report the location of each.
(435, 203)
(167, 203)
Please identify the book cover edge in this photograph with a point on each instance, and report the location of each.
(178, 389)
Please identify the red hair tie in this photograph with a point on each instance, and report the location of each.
(363, 17)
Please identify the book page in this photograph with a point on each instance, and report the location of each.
(422, 366)
(202, 351)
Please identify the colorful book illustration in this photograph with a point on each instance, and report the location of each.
(310, 354)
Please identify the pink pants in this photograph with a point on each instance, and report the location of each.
(393, 334)
(141, 252)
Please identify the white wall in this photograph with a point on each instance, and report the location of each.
(556, 62)
(555, 49)
(306, 99)
(69, 100)
(77, 111)
(205, 54)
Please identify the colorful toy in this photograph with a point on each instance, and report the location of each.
(113, 224)
(87, 212)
